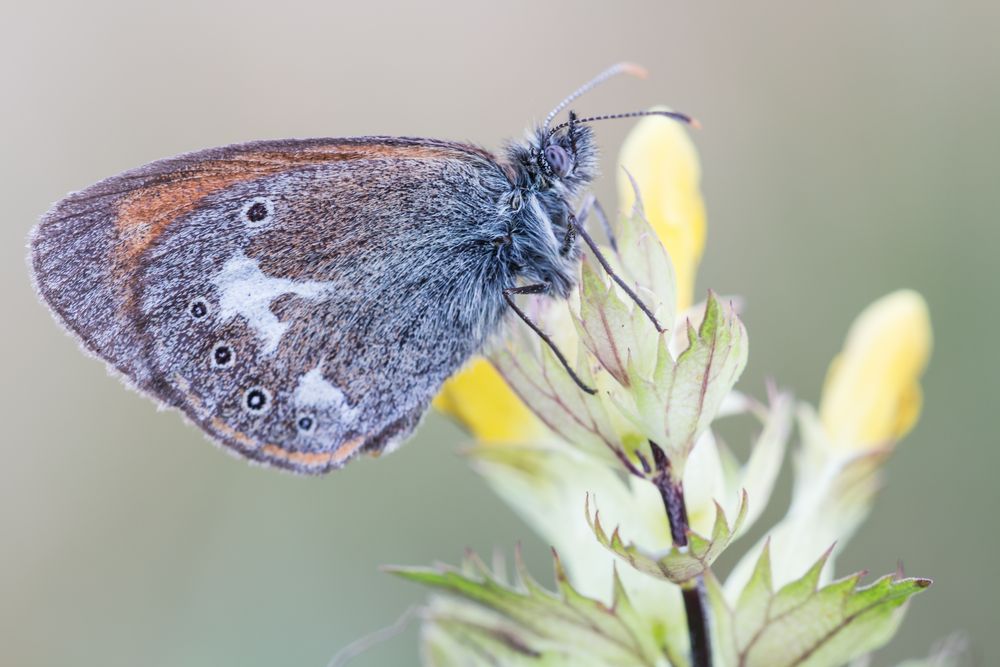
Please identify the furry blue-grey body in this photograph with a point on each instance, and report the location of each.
(304, 300)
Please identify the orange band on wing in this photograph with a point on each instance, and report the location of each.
(328, 152)
(145, 213)
(227, 430)
(315, 459)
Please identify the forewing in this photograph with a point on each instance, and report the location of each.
(300, 314)
(86, 249)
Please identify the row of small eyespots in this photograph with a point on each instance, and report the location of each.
(256, 400)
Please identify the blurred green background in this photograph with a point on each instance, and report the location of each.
(849, 149)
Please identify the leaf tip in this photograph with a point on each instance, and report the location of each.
(557, 565)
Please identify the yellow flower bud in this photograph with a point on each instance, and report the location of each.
(661, 158)
(481, 401)
(872, 394)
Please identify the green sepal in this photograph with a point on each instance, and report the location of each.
(678, 565)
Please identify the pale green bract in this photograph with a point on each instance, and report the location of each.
(677, 564)
(674, 405)
(526, 624)
(804, 624)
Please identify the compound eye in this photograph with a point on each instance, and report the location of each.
(558, 159)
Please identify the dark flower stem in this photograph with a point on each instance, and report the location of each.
(672, 493)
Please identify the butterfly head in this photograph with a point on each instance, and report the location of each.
(549, 170)
(564, 159)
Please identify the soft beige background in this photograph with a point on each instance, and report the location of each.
(850, 148)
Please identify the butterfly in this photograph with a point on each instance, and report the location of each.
(302, 301)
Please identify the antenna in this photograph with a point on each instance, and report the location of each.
(684, 118)
(614, 70)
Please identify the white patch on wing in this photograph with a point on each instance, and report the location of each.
(314, 390)
(246, 291)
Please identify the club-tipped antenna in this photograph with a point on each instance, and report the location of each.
(614, 70)
(682, 117)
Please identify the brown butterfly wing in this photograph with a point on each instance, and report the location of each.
(85, 250)
(300, 301)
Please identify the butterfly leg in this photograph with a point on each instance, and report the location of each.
(539, 288)
(568, 241)
(577, 222)
(605, 223)
(591, 202)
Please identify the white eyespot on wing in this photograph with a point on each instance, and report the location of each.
(257, 400)
(199, 308)
(315, 391)
(245, 290)
(222, 355)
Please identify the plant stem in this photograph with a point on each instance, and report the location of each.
(672, 493)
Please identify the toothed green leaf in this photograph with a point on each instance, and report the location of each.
(752, 608)
(804, 625)
(677, 565)
(532, 625)
(456, 632)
